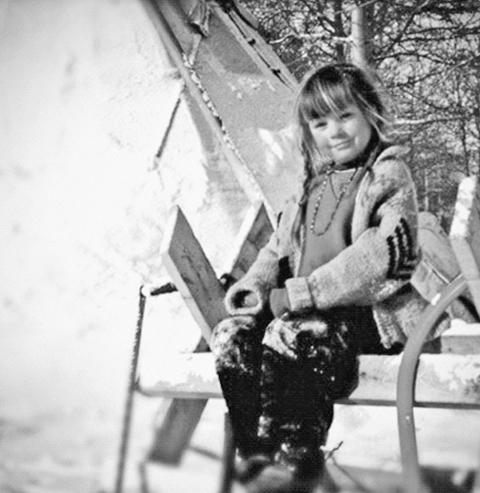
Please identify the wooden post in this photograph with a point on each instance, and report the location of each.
(465, 234)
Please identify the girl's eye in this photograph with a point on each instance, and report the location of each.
(319, 124)
(346, 115)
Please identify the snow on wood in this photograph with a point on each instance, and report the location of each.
(443, 380)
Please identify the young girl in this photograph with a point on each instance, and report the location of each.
(332, 282)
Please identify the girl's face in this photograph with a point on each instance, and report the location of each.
(343, 136)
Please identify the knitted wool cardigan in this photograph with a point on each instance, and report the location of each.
(374, 270)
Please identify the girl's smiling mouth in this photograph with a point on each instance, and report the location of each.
(342, 145)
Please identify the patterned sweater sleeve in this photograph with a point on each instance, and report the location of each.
(256, 284)
(381, 260)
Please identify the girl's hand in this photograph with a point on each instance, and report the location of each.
(279, 303)
(245, 299)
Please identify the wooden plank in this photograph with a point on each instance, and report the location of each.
(196, 281)
(181, 249)
(465, 234)
(462, 338)
(176, 430)
(378, 477)
(436, 246)
(438, 264)
(443, 380)
(254, 233)
(219, 80)
(192, 274)
(192, 377)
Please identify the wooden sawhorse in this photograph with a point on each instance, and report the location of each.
(407, 380)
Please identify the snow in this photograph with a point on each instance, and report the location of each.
(86, 97)
(87, 93)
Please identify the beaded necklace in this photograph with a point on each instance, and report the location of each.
(323, 187)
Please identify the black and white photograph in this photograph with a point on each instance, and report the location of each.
(240, 246)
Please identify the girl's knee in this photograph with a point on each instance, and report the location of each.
(233, 335)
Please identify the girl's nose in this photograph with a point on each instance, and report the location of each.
(336, 128)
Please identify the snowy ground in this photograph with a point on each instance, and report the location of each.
(86, 95)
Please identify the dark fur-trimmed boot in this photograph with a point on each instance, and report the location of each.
(294, 470)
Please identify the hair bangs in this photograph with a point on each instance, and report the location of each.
(323, 100)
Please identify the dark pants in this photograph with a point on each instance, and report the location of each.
(280, 381)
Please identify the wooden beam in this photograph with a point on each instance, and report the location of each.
(443, 380)
(192, 377)
(465, 234)
(229, 106)
(194, 277)
(254, 233)
(460, 339)
(192, 274)
(176, 431)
